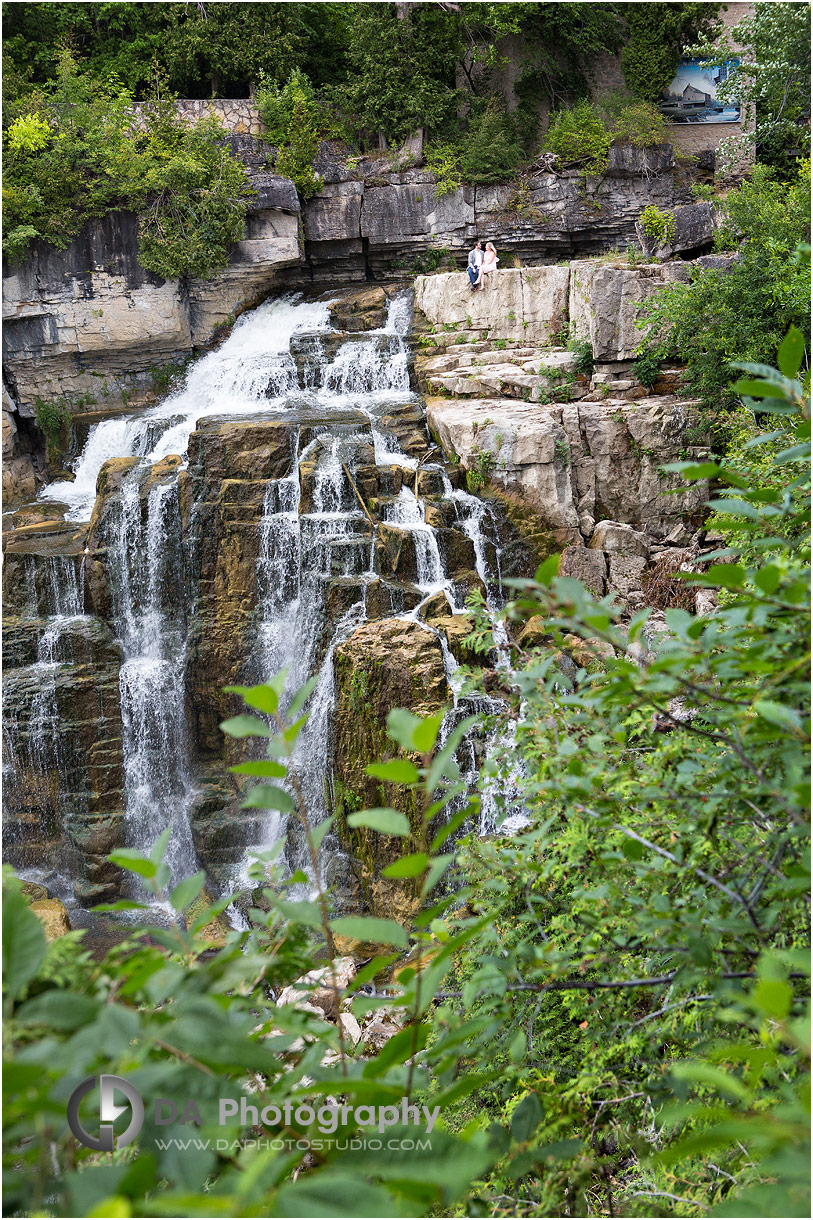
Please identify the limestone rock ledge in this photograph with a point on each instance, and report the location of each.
(577, 463)
(89, 322)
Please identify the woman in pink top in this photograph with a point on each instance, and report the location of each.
(489, 263)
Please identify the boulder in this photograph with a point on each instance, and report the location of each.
(588, 566)
(383, 665)
(321, 988)
(53, 916)
(694, 232)
(605, 300)
(528, 304)
(616, 538)
(626, 572)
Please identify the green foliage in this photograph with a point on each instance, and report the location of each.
(647, 368)
(201, 50)
(771, 82)
(579, 136)
(479, 471)
(744, 311)
(659, 226)
(656, 34)
(401, 72)
(443, 160)
(179, 1018)
(583, 135)
(490, 153)
(632, 121)
(433, 259)
(583, 351)
(295, 121)
(191, 195)
(663, 875)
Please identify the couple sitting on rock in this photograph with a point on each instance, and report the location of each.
(480, 264)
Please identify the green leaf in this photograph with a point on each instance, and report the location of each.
(301, 697)
(440, 763)
(727, 575)
(380, 931)
(160, 845)
(269, 796)
(134, 862)
(413, 733)
(408, 866)
(548, 570)
(767, 579)
(24, 944)
(791, 352)
(438, 868)
(265, 766)
(632, 849)
(186, 891)
(526, 1118)
(59, 1009)
(735, 508)
(307, 913)
(318, 832)
(757, 389)
(775, 713)
(385, 821)
(774, 997)
(263, 698)
(518, 1047)
(396, 771)
(246, 726)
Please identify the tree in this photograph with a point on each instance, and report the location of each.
(654, 42)
(742, 311)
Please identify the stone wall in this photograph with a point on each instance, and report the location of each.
(239, 116)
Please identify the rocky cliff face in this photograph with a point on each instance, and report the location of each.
(288, 507)
(568, 445)
(87, 327)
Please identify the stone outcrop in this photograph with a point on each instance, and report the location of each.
(383, 665)
(88, 326)
(694, 228)
(529, 304)
(605, 300)
(579, 462)
(88, 323)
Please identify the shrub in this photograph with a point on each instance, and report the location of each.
(490, 153)
(294, 120)
(443, 160)
(579, 136)
(741, 312)
(659, 226)
(647, 368)
(479, 471)
(638, 123)
(82, 154)
(583, 350)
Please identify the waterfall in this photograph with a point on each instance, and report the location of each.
(250, 372)
(143, 558)
(318, 558)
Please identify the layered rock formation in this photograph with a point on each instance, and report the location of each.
(568, 440)
(88, 327)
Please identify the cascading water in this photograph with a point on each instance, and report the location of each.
(318, 556)
(144, 571)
